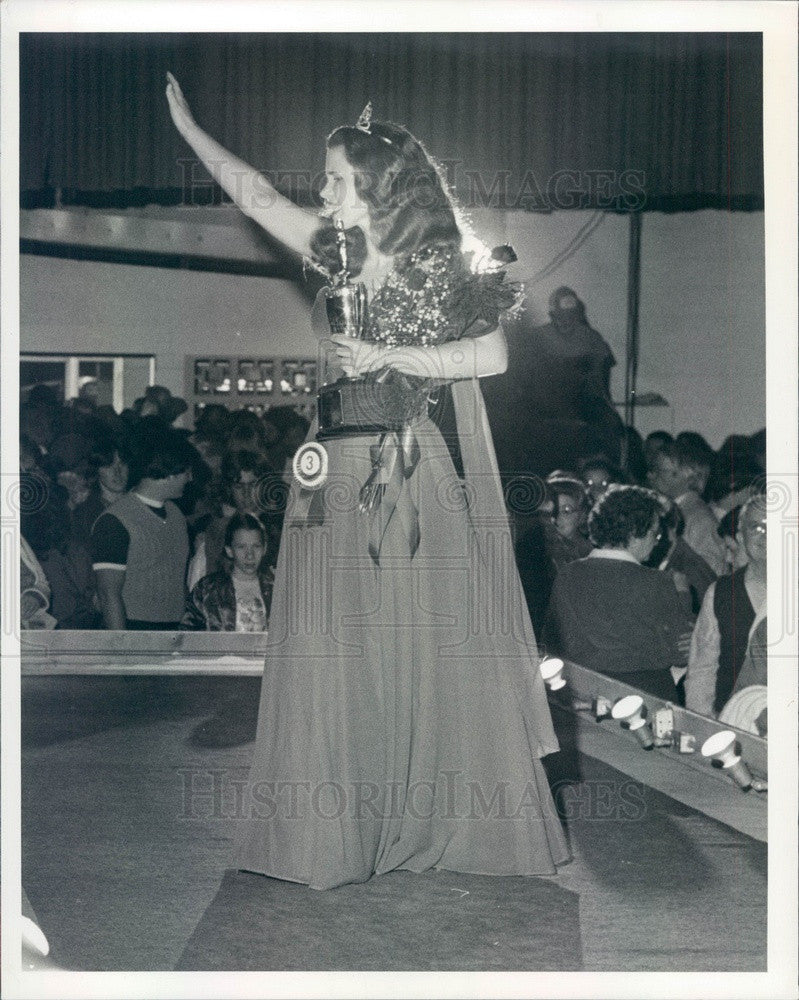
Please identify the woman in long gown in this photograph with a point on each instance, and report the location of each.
(402, 718)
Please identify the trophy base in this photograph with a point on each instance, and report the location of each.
(354, 406)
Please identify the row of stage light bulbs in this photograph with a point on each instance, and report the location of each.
(720, 749)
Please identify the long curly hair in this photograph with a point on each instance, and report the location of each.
(403, 188)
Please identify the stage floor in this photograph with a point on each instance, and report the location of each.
(128, 819)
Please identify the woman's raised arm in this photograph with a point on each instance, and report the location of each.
(249, 188)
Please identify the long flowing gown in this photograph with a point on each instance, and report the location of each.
(402, 715)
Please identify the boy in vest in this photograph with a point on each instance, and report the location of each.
(140, 544)
(730, 607)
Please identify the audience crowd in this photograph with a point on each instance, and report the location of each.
(658, 579)
(130, 523)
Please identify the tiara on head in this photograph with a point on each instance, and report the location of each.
(364, 123)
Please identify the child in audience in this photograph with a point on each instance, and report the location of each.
(237, 600)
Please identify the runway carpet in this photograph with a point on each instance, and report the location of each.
(438, 920)
(126, 872)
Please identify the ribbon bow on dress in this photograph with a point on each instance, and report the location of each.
(394, 459)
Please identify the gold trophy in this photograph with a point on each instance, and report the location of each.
(346, 302)
(353, 404)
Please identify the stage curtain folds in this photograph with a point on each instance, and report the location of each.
(509, 112)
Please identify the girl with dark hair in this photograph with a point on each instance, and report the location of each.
(399, 186)
(247, 485)
(401, 698)
(108, 479)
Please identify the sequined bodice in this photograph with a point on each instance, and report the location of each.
(416, 302)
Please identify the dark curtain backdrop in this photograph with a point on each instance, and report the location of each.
(683, 112)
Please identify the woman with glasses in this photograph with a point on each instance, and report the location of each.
(556, 536)
(566, 535)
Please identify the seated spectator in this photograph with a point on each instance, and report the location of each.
(679, 472)
(565, 535)
(598, 474)
(108, 479)
(609, 613)
(673, 555)
(140, 544)
(235, 600)
(554, 536)
(731, 604)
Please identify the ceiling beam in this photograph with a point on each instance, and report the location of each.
(235, 240)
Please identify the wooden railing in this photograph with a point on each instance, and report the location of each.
(213, 653)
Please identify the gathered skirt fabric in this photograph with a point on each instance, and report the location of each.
(402, 716)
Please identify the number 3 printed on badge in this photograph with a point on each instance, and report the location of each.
(310, 465)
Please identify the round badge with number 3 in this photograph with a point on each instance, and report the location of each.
(310, 465)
